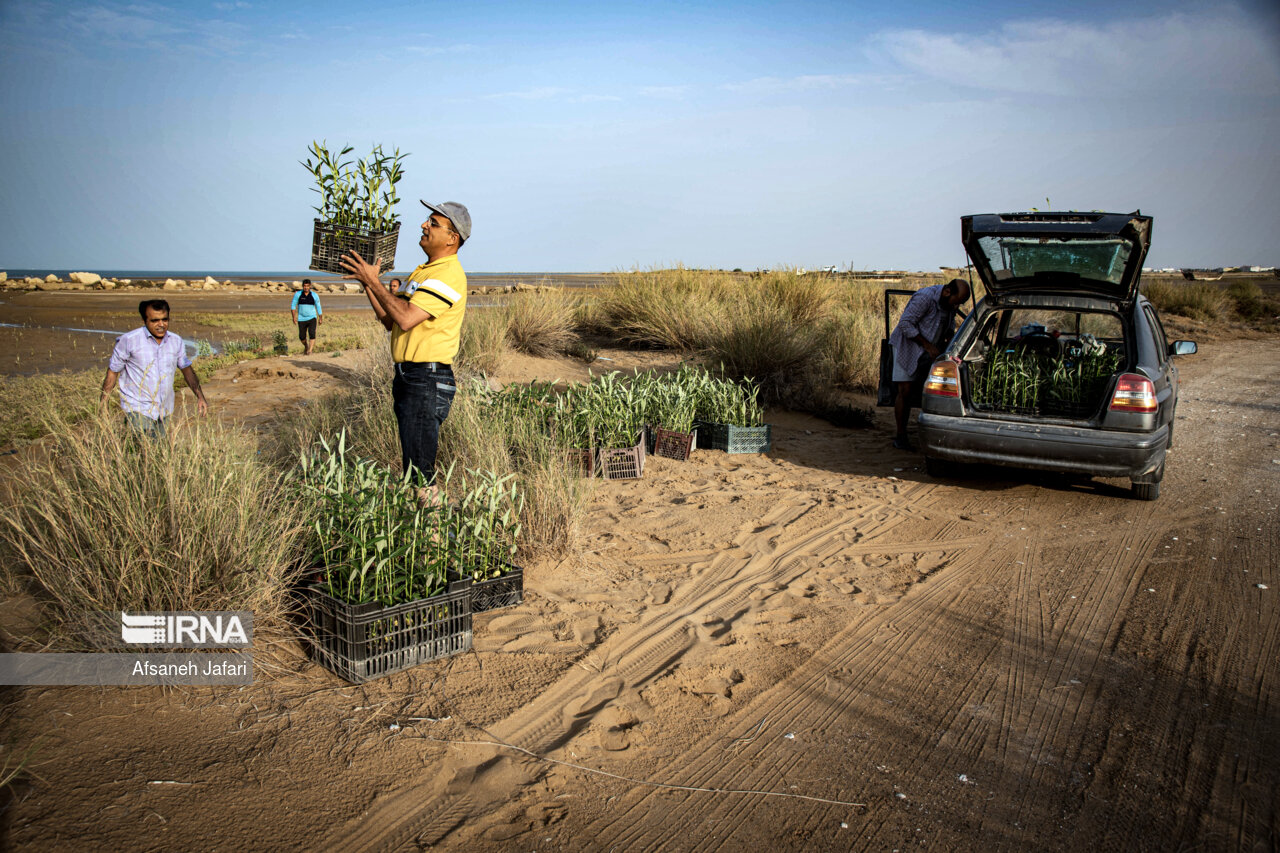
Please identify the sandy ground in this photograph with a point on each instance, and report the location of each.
(818, 649)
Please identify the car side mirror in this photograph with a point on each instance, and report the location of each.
(1182, 348)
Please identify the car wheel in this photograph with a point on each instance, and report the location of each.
(1146, 491)
(1149, 491)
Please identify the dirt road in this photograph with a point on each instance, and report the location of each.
(1067, 669)
(822, 649)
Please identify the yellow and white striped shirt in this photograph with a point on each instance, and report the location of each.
(440, 289)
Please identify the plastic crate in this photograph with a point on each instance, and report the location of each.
(360, 642)
(584, 460)
(736, 439)
(671, 444)
(330, 242)
(506, 590)
(625, 463)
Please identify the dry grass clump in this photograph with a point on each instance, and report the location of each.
(29, 403)
(675, 309)
(793, 333)
(483, 346)
(539, 323)
(1197, 300)
(1251, 303)
(105, 520)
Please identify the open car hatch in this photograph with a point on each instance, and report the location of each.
(1099, 254)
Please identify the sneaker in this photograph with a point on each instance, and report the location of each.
(901, 442)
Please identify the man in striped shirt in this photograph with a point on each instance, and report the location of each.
(143, 362)
(425, 320)
(920, 337)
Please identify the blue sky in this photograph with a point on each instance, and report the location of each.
(598, 136)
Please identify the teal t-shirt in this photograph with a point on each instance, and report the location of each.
(307, 305)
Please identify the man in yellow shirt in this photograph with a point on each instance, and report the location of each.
(425, 320)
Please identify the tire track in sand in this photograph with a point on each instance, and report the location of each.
(873, 684)
(768, 551)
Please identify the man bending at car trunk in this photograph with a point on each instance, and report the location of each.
(425, 320)
(918, 339)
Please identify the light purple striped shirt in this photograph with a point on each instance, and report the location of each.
(146, 369)
(922, 316)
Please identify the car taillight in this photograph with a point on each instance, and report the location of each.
(1134, 393)
(944, 380)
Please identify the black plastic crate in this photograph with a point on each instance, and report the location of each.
(506, 590)
(330, 242)
(361, 642)
(736, 439)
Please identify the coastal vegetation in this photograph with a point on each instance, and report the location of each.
(31, 406)
(237, 529)
(101, 521)
(803, 338)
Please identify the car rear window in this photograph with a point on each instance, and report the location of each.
(1063, 324)
(1100, 259)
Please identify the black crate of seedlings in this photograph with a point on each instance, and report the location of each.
(360, 642)
(623, 463)
(736, 439)
(330, 242)
(504, 590)
(671, 444)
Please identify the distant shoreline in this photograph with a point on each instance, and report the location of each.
(269, 275)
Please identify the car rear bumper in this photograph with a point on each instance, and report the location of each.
(1045, 447)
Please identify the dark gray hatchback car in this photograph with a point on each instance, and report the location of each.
(1063, 365)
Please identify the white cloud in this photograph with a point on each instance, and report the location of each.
(593, 99)
(139, 23)
(1176, 53)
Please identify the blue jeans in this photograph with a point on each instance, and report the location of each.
(422, 396)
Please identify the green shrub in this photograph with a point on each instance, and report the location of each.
(377, 541)
(1250, 302)
(476, 436)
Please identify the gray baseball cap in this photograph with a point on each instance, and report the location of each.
(455, 213)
